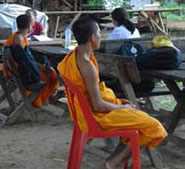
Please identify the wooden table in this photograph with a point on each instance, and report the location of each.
(119, 67)
(54, 53)
(53, 42)
(170, 78)
(125, 69)
(49, 50)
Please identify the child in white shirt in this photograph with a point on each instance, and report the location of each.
(124, 28)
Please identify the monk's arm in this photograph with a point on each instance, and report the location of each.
(88, 72)
(18, 40)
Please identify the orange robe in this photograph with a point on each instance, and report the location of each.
(151, 131)
(51, 83)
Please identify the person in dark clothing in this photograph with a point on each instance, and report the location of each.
(42, 77)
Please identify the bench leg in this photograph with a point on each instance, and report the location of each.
(3, 119)
(7, 92)
(15, 114)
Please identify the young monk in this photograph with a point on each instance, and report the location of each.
(123, 27)
(42, 77)
(111, 113)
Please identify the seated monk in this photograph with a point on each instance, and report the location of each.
(35, 77)
(110, 112)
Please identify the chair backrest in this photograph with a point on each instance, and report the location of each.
(9, 62)
(12, 66)
(73, 91)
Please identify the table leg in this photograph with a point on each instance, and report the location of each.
(180, 107)
(7, 92)
(129, 92)
(57, 26)
(126, 84)
(177, 113)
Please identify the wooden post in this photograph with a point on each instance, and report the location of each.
(76, 5)
(161, 21)
(68, 4)
(153, 23)
(80, 5)
(56, 27)
(61, 33)
(74, 19)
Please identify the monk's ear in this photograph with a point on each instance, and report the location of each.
(93, 39)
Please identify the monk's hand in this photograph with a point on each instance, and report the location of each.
(129, 105)
(133, 105)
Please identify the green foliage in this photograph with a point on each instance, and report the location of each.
(177, 16)
(120, 3)
(95, 3)
(110, 3)
(174, 17)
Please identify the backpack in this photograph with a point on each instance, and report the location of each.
(160, 58)
(130, 49)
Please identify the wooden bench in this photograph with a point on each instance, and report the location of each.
(26, 102)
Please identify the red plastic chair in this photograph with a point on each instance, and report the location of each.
(80, 138)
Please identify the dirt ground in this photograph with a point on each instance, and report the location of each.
(44, 145)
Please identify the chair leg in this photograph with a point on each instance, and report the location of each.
(135, 149)
(126, 164)
(76, 150)
(15, 114)
(150, 157)
(72, 148)
(80, 150)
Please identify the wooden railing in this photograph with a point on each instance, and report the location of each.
(159, 27)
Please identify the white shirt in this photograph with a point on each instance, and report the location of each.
(121, 32)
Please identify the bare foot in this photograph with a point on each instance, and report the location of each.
(118, 157)
(109, 165)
